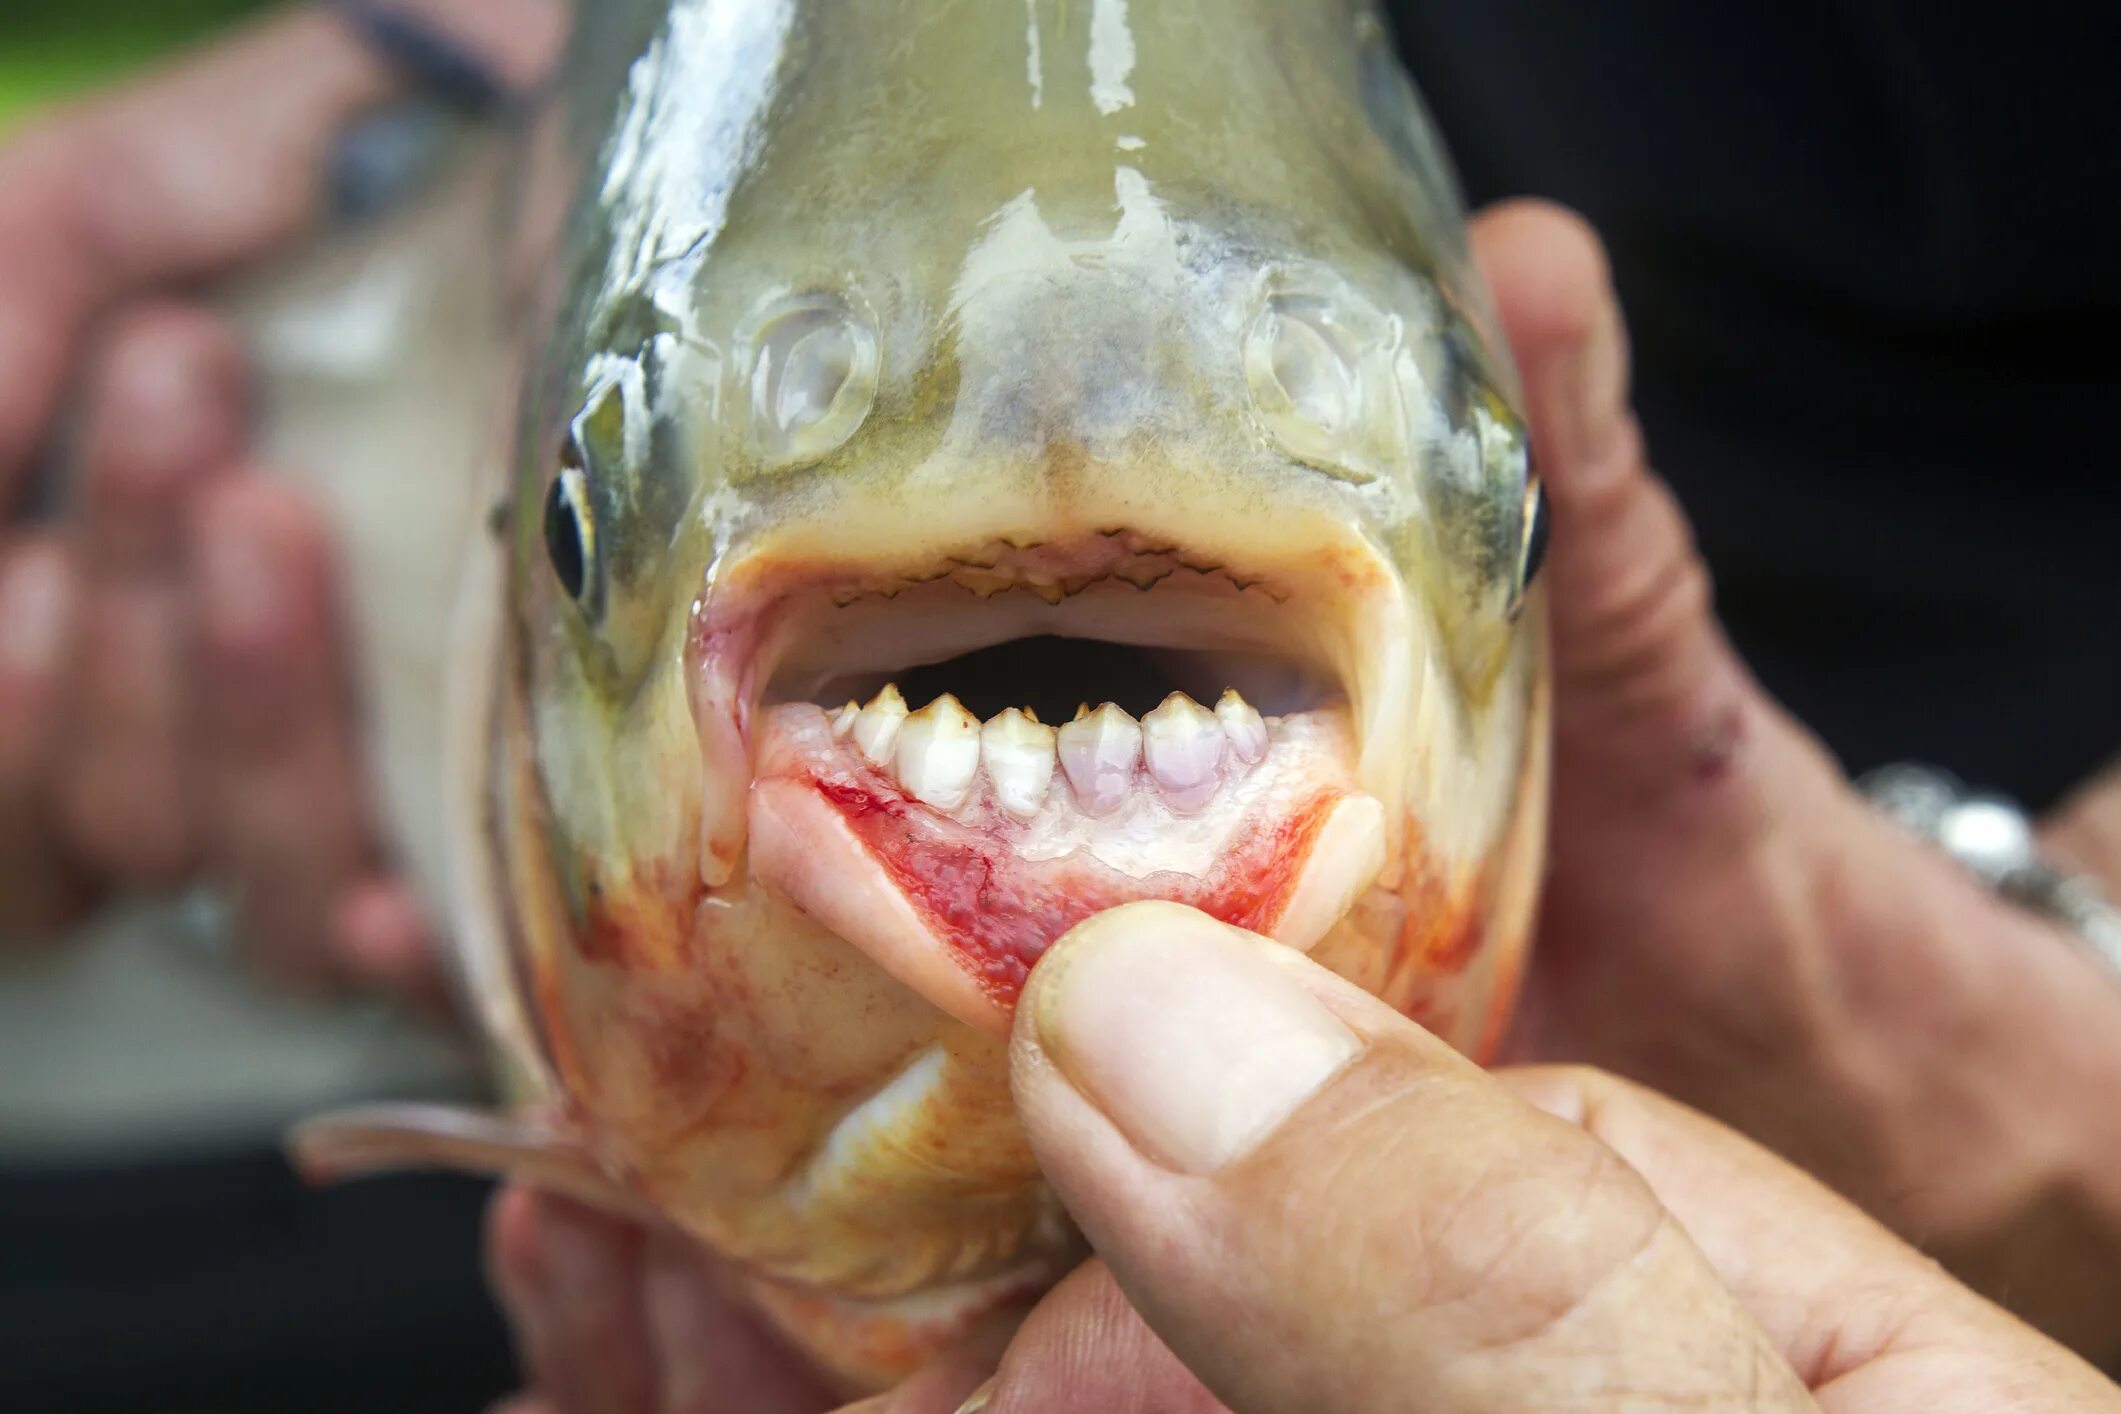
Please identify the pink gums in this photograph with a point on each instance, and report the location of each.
(998, 912)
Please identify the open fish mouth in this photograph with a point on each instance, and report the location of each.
(951, 764)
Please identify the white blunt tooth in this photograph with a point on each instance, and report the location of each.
(1183, 745)
(938, 753)
(1099, 751)
(843, 720)
(1019, 752)
(1243, 725)
(876, 729)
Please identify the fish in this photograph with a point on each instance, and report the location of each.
(966, 465)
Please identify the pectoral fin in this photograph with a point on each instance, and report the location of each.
(382, 1138)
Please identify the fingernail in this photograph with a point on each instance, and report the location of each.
(1186, 1033)
(34, 605)
(981, 1398)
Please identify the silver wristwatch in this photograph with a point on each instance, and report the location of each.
(1993, 840)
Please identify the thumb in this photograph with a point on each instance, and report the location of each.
(1644, 680)
(1320, 1206)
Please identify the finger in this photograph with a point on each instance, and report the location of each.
(958, 1380)
(2085, 830)
(1318, 1205)
(200, 166)
(948, 1385)
(1864, 1319)
(167, 401)
(1643, 680)
(383, 940)
(165, 414)
(713, 1355)
(39, 604)
(1085, 1347)
(288, 822)
(569, 1280)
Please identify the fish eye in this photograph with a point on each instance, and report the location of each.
(568, 526)
(1533, 555)
(1535, 531)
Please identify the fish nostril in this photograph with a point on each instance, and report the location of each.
(813, 378)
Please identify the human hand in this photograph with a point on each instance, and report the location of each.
(2084, 832)
(173, 685)
(185, 708)
(1314, 1204)
(1727, 921)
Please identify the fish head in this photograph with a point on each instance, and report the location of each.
(943, 515)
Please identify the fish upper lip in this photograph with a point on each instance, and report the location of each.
(777, 619)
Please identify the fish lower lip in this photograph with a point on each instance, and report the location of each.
(960, 902)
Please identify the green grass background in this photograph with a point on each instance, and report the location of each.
(52, 48)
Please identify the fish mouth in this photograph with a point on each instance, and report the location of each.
(951, 761)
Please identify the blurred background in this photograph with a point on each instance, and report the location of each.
(157, 1255)
(51, 48)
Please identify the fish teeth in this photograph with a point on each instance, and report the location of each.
(876, 728)
(1018, 751)
(1183, 745)
(1242, 724)
(1099, 752)
(938, 753)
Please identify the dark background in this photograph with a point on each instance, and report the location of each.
(1870, 254)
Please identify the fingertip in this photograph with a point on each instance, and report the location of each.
(515, 1261)
(1188, 1035)
(166, 406)
(39, 602)
(42, 885)
(585, 1246)
(713, 1351)
(1112, 926)
(1086, 1337)
(263, 559)
(520, 1275)
(1552, 284)
(1547, 269)
(591, 1344)
(384, 940)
